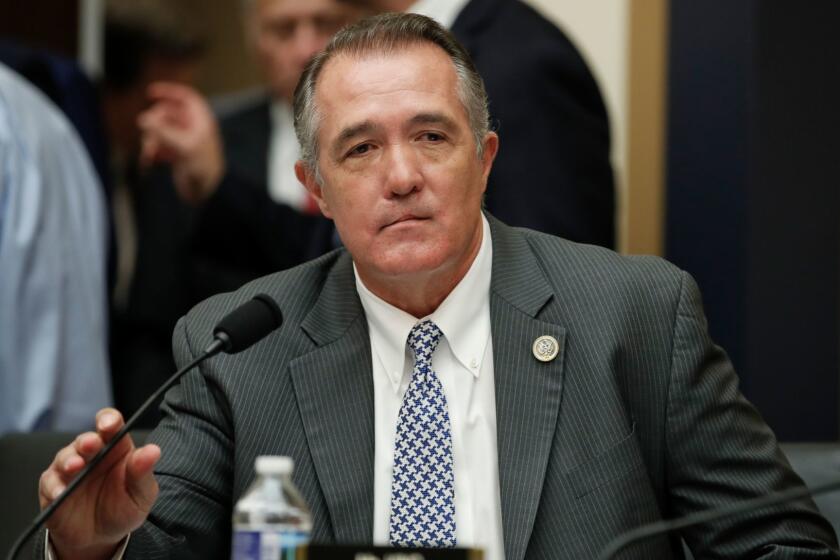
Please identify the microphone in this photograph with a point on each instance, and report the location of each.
(237, 331)
(248, 323)
(658, 528)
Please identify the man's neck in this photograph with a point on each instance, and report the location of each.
(417, 297)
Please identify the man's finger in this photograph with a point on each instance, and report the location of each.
(50, 487)
(156, 128)
(170, 91)
(181, 105)
(108, 421)
(149, 150)
(139, 479)
(143, 461)
(153, 119)
(87, 445)
(68, 462)
(62, 455)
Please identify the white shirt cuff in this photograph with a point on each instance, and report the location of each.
(49, 551)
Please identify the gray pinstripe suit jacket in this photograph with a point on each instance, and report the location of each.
(638, 418)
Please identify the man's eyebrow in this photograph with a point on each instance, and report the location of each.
(433, 118)
(350, 132)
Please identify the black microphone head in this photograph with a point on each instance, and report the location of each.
(249, 323)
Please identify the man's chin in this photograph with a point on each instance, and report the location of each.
(407, 259)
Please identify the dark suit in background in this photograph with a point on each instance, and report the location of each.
(241, 233)
(638, 418)
(161, 290)
(246, 133)
(553, 170)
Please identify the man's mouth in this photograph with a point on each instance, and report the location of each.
(405, 218)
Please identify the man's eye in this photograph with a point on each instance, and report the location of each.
(432, 136)
(359, 150)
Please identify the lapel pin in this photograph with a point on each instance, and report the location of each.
(546, 348)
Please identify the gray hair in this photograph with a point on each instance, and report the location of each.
(385, 34)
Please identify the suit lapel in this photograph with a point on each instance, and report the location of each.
(334, 391)
(528, 391)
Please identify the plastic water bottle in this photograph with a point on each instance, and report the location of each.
(271, 520)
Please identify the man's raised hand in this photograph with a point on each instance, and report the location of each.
(180, 129)
(113, 501)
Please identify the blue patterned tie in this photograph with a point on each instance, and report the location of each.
(423, 488)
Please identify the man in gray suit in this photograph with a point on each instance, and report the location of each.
(566, 394)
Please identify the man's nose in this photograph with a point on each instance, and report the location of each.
(403, 172)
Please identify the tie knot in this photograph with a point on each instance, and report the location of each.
(423, 339)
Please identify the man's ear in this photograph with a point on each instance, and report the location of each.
(491, 148)
(306, 176)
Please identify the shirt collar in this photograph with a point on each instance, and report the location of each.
(443, 11)
(463, 317)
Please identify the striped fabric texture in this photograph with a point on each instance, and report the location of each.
(639, 417)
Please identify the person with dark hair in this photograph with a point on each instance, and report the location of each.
(253, 216)
(445, 379)
(145, 41)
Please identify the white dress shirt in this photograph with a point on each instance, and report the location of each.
(464, 363)
(283, 152)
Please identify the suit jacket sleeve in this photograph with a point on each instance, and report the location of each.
(192, 515)
(721, 451)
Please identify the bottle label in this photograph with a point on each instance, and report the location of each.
(267, 545)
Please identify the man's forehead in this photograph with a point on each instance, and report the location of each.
(359, 92)
(411, 58)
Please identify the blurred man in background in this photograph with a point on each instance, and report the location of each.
(232, 214)
(259, 138)
(254, 217)
(145, 41)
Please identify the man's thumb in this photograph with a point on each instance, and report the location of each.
(139, 476)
